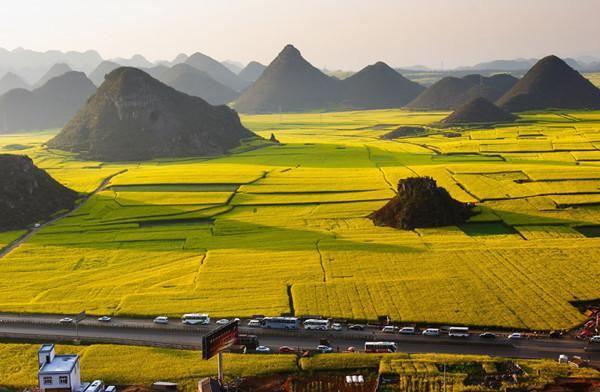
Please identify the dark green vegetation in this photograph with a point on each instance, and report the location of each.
(452, 92)
(133, 116)
(421, 203)
(49, 106)
(551, 83)
(290, 83)
(479, 110)
(28, 194)
(192, 81)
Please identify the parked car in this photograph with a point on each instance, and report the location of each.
(351, 349)
(488, 335)
(515, 336)
(356, 327)
(287, 350)
(254, 323)
(104, 319)
(161, 320)
(222, 322)
(263, 349)
(595, 339)
(336, 327)
(555, 334)
(37, 225)
(66, 320)
(389, 329)
(431, 332)
(407, 331)
(324, 349)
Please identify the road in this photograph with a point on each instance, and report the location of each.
(34, 229)
(144, 332)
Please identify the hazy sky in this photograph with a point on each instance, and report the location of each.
(335, 34)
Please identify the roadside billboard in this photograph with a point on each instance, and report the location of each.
(219, 340)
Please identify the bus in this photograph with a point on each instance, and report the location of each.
(458, 332)
(316, 324)
(380, 347)
(280, 323)
(195, 319)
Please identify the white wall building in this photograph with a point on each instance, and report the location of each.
(58, 373)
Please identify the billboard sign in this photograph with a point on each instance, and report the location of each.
(219, 340)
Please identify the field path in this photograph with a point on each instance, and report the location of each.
(16, 243)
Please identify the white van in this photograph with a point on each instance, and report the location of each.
(316, 324)
(161, 320)
(407, 331)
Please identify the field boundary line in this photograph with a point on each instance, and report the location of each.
(19, 241)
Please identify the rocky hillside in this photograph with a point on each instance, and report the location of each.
(289, 83)
(133, 116)
(551, 83)
(451, 92)
(421, 203)
(378, 86)
(28, 194)
(56, 70)
(252, 71)
(478, 110)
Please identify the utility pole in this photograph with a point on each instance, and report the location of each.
(444, 376)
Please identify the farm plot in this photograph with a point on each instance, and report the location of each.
(284, 228)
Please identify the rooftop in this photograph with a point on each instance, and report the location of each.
(60, 364)
(46, 348)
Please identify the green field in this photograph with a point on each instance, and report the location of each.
(282, 228)
(125, 365)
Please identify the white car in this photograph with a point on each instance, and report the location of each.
(222, 322)
(161, 320)
(254, 323)
(336, 327)
(104, 319)
(66, 320)
(431, 332)
(595, 339)
(515, 336)
(263, 349)
(324, 349)
(407, 331)
(389, 329)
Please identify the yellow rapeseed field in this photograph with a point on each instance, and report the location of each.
(283, 228)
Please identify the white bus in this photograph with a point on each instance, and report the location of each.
(280, 322)
(195, 319)
(316, 324)
(380, 347)
(458, 332)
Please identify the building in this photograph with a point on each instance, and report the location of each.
(58, 373)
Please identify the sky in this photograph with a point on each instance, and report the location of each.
(334, 34)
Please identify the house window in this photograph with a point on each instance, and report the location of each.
(63, 380)
(47, 380)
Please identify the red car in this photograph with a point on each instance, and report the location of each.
(287, 350)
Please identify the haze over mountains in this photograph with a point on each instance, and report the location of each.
(133, 116)
(451, 92)
(291, 83)
(11, 81)
(48, 106)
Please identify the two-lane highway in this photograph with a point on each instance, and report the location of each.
(174, 334)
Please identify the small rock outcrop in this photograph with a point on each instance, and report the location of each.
(421, 203)
(404, 131)
(28, 194)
